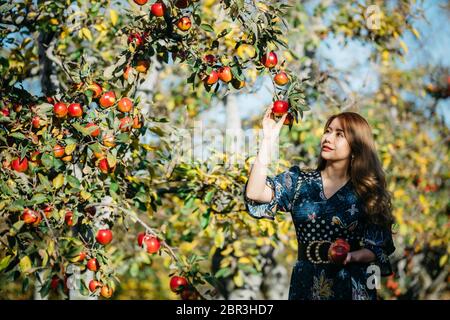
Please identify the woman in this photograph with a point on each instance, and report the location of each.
(345, 198)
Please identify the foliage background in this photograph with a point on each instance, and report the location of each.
(396, 76)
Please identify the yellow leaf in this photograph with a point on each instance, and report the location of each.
(238, 279)
(85, 195)
(404, 46)
(244, 260)
(245, 51)
(219, 239)
(70, 148)
(443, 260)
(51, 248)
(58, 181)
(25, 264)
(114, 16)
(86, 33)
(227, 251)
(416, 33)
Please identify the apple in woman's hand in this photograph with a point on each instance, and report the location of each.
(338, 251)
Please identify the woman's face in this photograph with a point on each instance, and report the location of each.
(334, 145)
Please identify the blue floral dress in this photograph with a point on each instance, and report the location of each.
(317, 218)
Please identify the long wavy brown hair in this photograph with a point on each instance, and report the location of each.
(365, 170)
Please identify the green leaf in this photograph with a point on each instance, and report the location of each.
(123, 138)
(47, 161)
(83, 289)
(17, 205)
(45, 289)
(134, 270)
(206, 27)
(38, 198)
(43, 109)
(223, 273)
(204, 221)
(74, 182)
(114, 186)
(209, 196)
(44, 181)
(81, 129)
(58, 181)
(5, 189)
(18, 135)
(5, 262)
(95, 147)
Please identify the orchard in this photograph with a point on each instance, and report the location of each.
(99, 201)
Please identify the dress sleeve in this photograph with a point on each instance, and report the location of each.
(283, 187)
(379, 240)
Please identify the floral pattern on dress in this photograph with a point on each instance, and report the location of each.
(321, 289)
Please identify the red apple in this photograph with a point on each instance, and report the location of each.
(69, 218)
(105, 167)
(125, 124)
(141, 237)
(125, 105)
(280, 107)
(92, 264)
(225, 74)
(106, 291)
(48, 209)
(96, 90)
(94, 284)
(126, 72)
(137, 123)
(178, 283)
(158, 9)
(135, 38)
(289, 119)
(108, 99)
(152, 244)
(58, 151)
(269, 60)
(104, 236)
(30, 216)
(19, 166)
(82, 256)
(94, 133)
(281, 78)
(142, 66)
(60, 109)
(184, 24)
(338, 251)
(5, 112)
(54, 282)
(36, 122)
(212, 78)
(75, 110)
